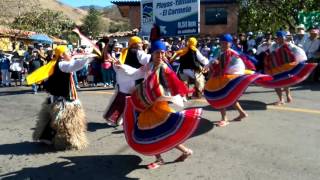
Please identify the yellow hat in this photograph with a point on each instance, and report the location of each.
(59, 50)
(134, 40)
(192, 42)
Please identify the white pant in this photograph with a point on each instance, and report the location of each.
(198, 77)
(6, 80)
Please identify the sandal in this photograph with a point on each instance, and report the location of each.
(155, 164)
(222, 123)
(184, 156)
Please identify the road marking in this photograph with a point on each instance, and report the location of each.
(311, 111)
(279, 108)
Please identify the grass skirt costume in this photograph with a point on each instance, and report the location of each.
(151, 126)
(61, 120)
(222, 89)
(287, 67)
(63, 123)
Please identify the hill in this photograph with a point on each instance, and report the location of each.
(9, 9)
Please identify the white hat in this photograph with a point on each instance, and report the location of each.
(118, 45)
(301, 26)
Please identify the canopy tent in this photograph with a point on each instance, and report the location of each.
(41, 38)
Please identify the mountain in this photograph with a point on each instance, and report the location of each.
(9, 9)
(88, 7)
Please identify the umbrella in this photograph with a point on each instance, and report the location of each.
(42, 38)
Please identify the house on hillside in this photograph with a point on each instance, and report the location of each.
(216, 16)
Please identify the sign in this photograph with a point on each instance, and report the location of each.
(146, 17)
(309, 19)
(177, 17)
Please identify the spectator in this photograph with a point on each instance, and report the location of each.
(312, 44)
(300, 38)
(4, 66)
(16, 69)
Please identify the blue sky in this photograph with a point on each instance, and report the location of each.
(77, 3)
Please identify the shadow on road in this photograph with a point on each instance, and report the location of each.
(204, 126)
(247, 105)
(24, 148)
(82, 167)
(10, 93)
(94, 126)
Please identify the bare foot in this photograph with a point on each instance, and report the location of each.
(289, 99)
(184, 156)
(240, 117)
(222, 123)
(278, 103)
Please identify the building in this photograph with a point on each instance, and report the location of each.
(216, 16)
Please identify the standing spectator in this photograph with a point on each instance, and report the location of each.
(243, 42)
(300, 38)
(16, 69)
(205, 50)
(312, 44)
(35, 63)
(106, 67)
(4, 66)
(251, 41)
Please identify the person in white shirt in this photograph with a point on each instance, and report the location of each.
(300, 37)
(312, 44)
(130, 60)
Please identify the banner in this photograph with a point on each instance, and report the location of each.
(146, 17)
(309, 19)
(177, 17)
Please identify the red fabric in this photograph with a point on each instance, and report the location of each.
(106, 65)
(188, 127)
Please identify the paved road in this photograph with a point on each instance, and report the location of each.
(272, 143)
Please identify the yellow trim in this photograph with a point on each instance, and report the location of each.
(217, 83)
(155, 115)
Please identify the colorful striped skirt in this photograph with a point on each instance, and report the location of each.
(223, 91)
(158, 129)
(288, 75)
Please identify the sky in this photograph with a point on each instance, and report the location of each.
(77, 3)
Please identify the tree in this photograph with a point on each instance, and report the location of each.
(92, 23)
(43, 21)
(271, 15)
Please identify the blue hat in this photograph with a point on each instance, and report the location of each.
(158, 45)
(281, 34)
(226, 38)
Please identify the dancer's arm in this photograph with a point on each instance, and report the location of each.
(74, 65)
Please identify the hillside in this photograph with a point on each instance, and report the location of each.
(10, 9)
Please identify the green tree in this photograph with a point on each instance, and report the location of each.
(43, 21)
(270, 15)
(92, 23)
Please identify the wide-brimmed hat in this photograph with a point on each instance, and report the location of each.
(301, 26)
(118, 45)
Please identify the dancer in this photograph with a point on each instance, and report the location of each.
(191, 65)
(229, 79)
(130, 61)
(151, 126)
(285, 62)
(61, 119)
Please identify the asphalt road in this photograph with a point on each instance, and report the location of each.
(274, 142)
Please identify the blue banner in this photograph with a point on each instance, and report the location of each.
(177, 17)
(147, 17)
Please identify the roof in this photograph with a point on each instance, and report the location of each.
(121, 34)
(137, 2)
(126, 2)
